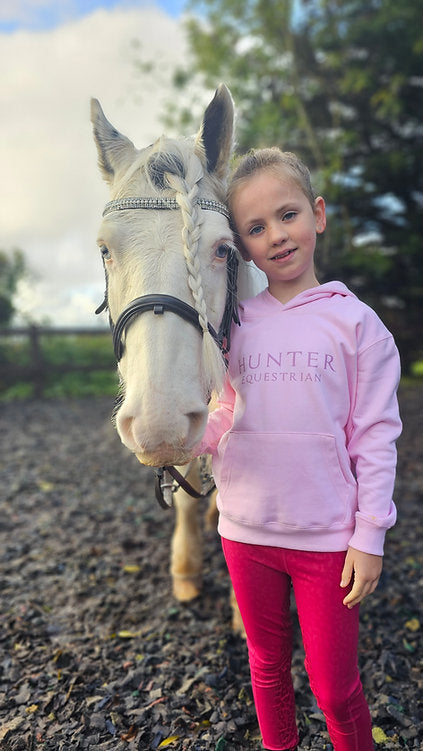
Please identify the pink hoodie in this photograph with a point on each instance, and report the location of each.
(303, 440)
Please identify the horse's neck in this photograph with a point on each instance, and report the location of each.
(251, 280)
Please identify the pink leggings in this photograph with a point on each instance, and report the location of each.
(261, 577)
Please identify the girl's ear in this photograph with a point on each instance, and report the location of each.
(320, 214)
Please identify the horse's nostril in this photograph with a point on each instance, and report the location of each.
(185, 432)
(124, 426)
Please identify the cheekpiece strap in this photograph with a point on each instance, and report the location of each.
(124, 204)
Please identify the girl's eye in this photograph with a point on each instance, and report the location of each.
(105, 252)
(256, 230)
(289, 215)
(222, 251)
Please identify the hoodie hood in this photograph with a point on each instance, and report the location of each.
(264, 302)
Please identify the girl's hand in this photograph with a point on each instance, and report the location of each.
(365, 570)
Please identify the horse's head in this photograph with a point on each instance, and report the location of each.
(164, 238)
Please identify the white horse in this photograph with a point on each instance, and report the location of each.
(170, 263)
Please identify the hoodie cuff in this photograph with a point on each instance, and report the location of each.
(370, 537)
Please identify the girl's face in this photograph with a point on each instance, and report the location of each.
(277, 227)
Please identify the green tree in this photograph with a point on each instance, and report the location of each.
(12, 268)
(340, 83)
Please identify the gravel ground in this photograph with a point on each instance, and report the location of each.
(95, 653)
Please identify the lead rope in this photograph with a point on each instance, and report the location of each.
(168, 480)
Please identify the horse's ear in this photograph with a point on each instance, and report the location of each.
(115, 151)
(216, 132)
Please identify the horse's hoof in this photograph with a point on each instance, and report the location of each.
(186, 589)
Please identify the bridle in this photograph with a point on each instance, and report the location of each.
(168, 480)
(159, 304)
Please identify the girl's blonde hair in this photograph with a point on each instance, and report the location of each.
(281, 163)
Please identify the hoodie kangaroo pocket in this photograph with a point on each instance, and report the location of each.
(289, 479)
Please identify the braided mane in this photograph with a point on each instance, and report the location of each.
(186, 194)
(180, 175)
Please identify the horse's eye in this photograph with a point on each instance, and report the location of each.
(105, 252)
(222, 250)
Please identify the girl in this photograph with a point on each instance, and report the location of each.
(303, 445)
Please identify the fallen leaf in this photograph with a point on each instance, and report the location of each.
(189, 681)
(379, 735)
(45, 486)
(31, 709)
(128, 634)
(93, 700)
(156, 701)
(131, 734)
(130, 568)
(409, 647)
(9, 726)
(168, 741)
(70, 689)
(413, 624)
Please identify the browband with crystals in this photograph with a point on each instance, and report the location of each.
(161, 203)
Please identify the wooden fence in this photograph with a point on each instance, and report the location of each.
(38, 368)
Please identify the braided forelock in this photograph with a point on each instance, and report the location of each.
(186, 193)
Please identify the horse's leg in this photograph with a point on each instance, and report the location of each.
(212, 514)
(186, 548)
(187, 545)
(211, 523)
(237, 624)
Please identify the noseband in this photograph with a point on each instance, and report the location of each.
(158, 303)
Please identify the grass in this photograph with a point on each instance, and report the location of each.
(417, 369)
(57, 351)
(83, 351)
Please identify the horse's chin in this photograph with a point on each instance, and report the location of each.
(164, 459)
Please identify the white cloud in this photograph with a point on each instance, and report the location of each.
(52, 193)
(21, 10)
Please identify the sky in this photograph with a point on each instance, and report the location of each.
(54, 56)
